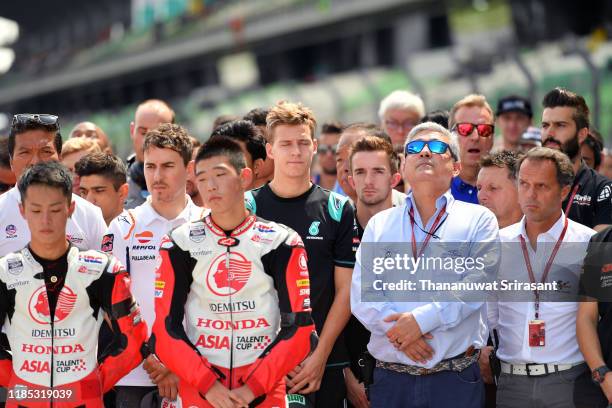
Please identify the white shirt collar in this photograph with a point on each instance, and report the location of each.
(552, 234)
(149, 215)
(13, 193)
(446, 198)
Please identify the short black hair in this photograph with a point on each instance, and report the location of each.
(5, 158)
(222, 146)
(437, 116)
(51, 174)
(560, 97)
(22, 128)
(223, 119)
(257, 116)
(102, 164)
(332, 127)
(244, 131)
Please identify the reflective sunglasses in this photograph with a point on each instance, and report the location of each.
(22, 119)
(465, 129)
(434, 146)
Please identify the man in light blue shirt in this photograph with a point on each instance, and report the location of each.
(426, 342)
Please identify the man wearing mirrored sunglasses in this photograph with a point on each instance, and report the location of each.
(471, 119)
(36, 138)
(430, 345)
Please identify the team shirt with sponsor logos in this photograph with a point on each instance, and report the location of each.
(66, 351)
(592, 203)
(134, 238)
(85, 228)
(596, 283)
(225, 294)
(325, 221)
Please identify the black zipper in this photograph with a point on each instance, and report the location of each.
(52, 354)
(231, 308)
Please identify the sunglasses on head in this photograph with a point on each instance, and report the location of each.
(434, 146)
(466, 129)
(23, 119)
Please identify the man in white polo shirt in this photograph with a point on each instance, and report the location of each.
(36, 138)
(134, 238)
(539, 354)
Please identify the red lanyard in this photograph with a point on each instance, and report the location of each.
(571, 199)
(546, 268)
(429, 234)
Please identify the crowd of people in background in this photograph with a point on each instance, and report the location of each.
(240, 254)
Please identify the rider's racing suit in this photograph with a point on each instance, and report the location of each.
(52, 320)
(245, 298)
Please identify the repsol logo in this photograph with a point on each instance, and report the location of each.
(144, 247)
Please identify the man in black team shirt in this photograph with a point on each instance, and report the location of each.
(325, 222)
(373, 175)
(565, 124)
(594, 323)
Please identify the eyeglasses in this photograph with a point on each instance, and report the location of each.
(394, 125)
(465, 129)
(323, 148)
(434, 146)
(23, 119)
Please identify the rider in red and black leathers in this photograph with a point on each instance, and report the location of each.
(244, 298)
(52, 312)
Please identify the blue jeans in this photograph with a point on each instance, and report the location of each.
(463, 389)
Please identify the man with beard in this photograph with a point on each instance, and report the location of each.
(135, 236)
(565, 124)
(351, 134)
(149, 114)
(373, 175)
